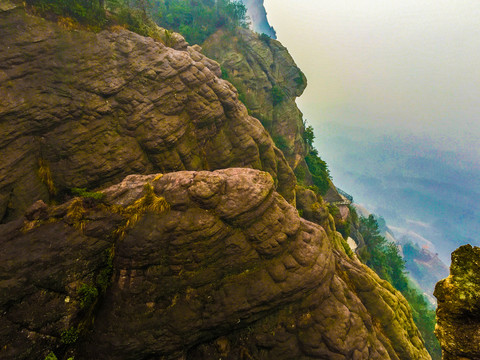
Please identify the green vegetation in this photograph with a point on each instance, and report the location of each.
(308, 134)
(342, 226)
(51, 356)
(104, 276)
(70, 336)
(194, 19)
(277, 95)
(83, 11)
(384, 258)
(82, 192)
(198, 19)
(319, 170)
(281, 143)
(265, 38)
(300, 80)
(300, 173)
(224, 73)
(317, 167)
(88, 295)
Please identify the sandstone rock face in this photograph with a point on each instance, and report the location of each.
(230, 271)
(80, 109)
(265, 73)
(458, 311)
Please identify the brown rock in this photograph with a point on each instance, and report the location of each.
(458, 309)
(230, 271)
(102, 106)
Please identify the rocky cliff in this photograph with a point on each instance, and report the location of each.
(80, 109)
(229, 271)
(269, 82)
(185, 265)
(458, 311)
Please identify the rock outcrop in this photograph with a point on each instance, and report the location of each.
(268, 80)
(458, 311)
(80, 109)
(229, 271)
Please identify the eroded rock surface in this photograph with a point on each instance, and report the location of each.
(268, 79)
(229, 271)
(80, 109)
(458, 310)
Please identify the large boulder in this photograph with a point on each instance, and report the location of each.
(230, 270)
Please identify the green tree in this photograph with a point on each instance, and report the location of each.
(308, 134)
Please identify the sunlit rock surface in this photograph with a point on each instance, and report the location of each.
(458, 311)
(231, 262)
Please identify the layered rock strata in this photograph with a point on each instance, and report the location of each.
(230, 270)
(268, 79)
(80, 109)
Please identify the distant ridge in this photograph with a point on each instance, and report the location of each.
(258, 15)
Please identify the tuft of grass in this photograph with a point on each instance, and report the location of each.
(70, 336)
(67, 23)
(88, 295)
(82, 192)
(51, 356)
(75, 212)
(277, 95)
(169, 39)
(149, 202)
(45, 176)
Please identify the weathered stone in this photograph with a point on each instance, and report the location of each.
(256, 65)
(102, 106)
(238, 277)
(458, 311)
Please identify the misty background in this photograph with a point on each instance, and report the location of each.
(394, 97)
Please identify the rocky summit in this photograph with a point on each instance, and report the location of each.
(187, 243)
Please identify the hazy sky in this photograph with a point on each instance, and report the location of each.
(394, 97)
(410, 64)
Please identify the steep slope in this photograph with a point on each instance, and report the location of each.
(458, 311)
(229, 270)
(269, 81)
(80, 109)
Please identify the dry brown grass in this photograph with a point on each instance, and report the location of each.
(45, 176)
(149, 202)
